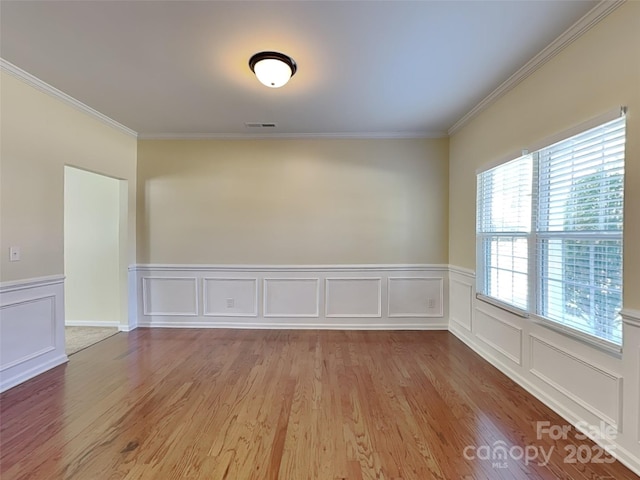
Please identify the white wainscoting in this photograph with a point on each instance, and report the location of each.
(31, 328)
(504, 336)
(585, 385)
(416, 297)
(170, 296)
(291, 297)
(272, 296)
(631, 379)
(590, 386)
(461, 301)
(230, 297)
(358, 297)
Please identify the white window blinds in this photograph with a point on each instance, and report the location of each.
(503, 226)
(549, 232)
(579, 241)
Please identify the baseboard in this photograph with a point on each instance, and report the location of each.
(6, 384)
(628, 459)
(126, 328)
(301, 325)
(90, 323)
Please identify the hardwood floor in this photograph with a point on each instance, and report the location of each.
(296, 405)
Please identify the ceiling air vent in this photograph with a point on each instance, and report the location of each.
(259, 125)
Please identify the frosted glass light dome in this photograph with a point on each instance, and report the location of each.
(272, 69)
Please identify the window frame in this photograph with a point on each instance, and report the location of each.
(534, 237)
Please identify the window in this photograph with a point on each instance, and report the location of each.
(549, 233)
(504, 228)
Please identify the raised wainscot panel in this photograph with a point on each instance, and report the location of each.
(27, 330)
(353, 297)
(230, 297)
(291, 297)
(461, 303)
(416, 297)
(590, 386)
(500, 335)
(170, 296)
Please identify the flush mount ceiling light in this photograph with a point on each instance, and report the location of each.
(273, 69)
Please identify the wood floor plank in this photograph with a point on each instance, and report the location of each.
(290, 405)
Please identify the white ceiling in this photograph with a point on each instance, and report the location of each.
(364, 67)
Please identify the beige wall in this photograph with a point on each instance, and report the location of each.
(293, 201)
(91, 247)
(39, 135)
(599, 71)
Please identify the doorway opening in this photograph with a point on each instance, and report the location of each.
(95, 232)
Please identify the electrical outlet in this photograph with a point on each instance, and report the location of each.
(230, 302)
(14, 254)
(431, 303)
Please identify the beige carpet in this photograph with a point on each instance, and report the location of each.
(79, 338)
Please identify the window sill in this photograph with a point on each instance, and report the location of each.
(502, 305)
(605, 346)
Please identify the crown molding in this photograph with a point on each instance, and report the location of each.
(592, 18)
(38, 84)
(264, 136)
